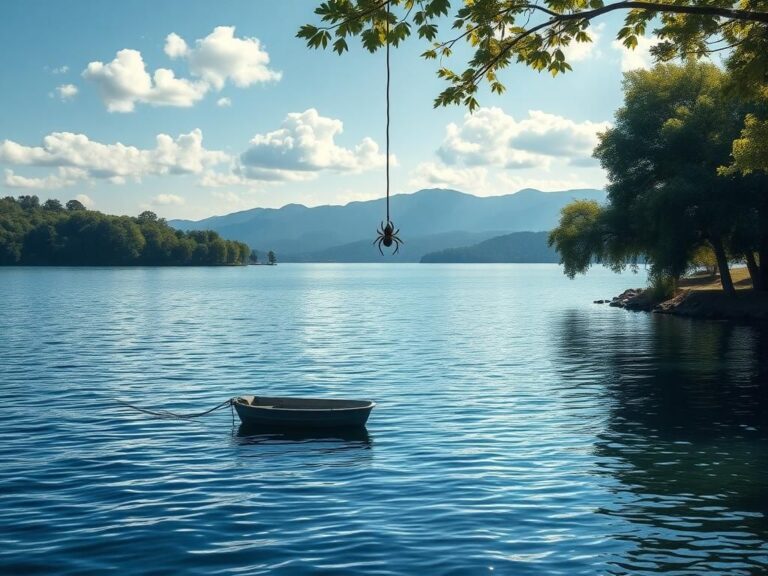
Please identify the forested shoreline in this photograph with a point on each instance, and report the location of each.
(52, 234)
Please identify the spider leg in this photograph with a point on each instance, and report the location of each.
(382, 253)
(397, 239)
(397, 248)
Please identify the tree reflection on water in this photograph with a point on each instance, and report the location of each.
(685, 442)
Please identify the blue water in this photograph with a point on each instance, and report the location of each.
(520, 428)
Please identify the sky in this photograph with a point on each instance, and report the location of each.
(196, 108)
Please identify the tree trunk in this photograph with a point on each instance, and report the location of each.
(762, 250)
(763, 269)
(754, 271)
(722, 264)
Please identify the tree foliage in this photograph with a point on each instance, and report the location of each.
(579, 237)
(666, 197)
(537, 34)
(31, 234)
(750, 149)
(74, 205)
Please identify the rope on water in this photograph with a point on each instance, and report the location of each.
(169, 414)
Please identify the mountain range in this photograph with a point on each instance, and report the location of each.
(429, 220)
(517, 247)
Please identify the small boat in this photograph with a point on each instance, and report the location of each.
(305, 413)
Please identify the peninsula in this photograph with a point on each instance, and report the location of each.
(52, 234)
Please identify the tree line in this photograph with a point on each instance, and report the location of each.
(271, 258)
(679, 184)
(50, 233)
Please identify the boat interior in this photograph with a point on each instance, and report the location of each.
(302, 403)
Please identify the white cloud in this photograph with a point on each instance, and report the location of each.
(580, 51)
(568, 181)
(84, 200)
(79, 156)
(229, 201)
(491, 152)
(62, 178)
(125, 81)
(303, 145)
(67, 91)
(236, 176)
(249, 173)
(227, 197)
(221, 57)
(491, 137)
(184, 155)
(302, 148)
(640, 57)
(431, 174)
(60, 70)
(493, 181)
(224, 102)
(554, 135)
(214, 60)
(12, 180)
(171, 91)
(175, 46)
(168, 200)
(213, 179)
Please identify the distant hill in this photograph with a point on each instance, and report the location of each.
(411, 251)
(429, 220)
(517, 247)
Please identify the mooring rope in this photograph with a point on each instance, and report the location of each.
(169, 414)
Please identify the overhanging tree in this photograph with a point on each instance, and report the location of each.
(665, 196)
(502, 32)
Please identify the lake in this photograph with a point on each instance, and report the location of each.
(520, 428)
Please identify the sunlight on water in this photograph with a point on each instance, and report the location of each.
(520, 428)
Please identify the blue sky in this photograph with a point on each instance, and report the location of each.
(194, 108)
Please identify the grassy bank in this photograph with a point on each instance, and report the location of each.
(702, 296)
(707, 282)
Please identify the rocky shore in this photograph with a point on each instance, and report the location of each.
(635, 299)
(747, 305)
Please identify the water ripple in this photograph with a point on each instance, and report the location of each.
(520, 429)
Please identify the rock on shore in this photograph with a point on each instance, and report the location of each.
(713, 304)
(635, 299)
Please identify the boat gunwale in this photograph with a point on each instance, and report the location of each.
(369, 405)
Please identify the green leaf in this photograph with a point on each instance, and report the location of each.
(428, 31)
(307, 31)
(340, 46)
(371, 39)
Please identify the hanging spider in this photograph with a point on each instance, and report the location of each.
(388, 235)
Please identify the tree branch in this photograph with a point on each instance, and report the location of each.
(731, 14)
